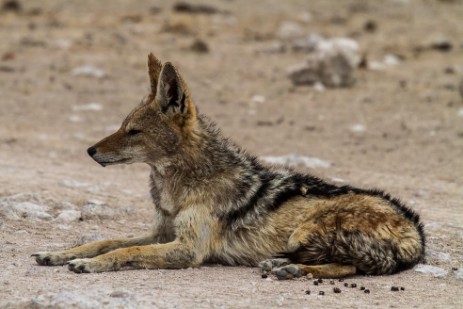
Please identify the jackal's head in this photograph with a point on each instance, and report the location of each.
(155, 131)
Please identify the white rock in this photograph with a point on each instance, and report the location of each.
(27, 210)
(62, 43)
(332, 62)
(72, 183)
(318, 86)
(337, 179)
(80, 300)
(95, 209)
(459, 274)
(357, 128)
(294, 159)
(438, 255)
(75, 118)
(460, 111)
(433, 270)
(258, 98)
(93, 106)
(69, 216)
(288, 30)
(88, 70)
(391, 60)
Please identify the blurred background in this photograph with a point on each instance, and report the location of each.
(355, 91)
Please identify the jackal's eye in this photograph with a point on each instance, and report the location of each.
(133, 132)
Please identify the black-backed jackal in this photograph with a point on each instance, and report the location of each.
(216, 203)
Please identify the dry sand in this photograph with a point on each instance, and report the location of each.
(399, 128)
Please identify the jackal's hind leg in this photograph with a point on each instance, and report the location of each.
(332, 270)
(269, 264)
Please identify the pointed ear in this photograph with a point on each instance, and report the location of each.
(154, 70)
(173, 96)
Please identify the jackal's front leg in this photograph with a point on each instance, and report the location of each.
(162, 232)
(169, 255)
(193, 231)
(88, 250)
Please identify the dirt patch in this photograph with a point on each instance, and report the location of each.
(70, 72)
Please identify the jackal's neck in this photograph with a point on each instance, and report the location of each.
(201, 165)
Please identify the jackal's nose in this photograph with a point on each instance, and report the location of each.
(91, 151)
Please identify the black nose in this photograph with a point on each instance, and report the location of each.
(91, 151)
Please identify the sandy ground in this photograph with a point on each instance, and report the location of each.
(410, 140)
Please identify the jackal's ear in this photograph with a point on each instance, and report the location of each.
(173, 96)
(154, 70)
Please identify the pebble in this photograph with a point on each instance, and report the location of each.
(93, 106)
(264, 276)
(289, 30)
(199, 46)
(366, 291)
(307, 292)
(321, 293)
(394, 288)
(332, 63)
(88, 70)
(460, 88)
(459, 274)
(315, 282)
(353, 285)
(295, 160)
(336, 290)
(95, 209)
(69, 215)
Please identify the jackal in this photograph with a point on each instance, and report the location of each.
(216, 203)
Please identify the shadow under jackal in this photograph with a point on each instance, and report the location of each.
(216, 203)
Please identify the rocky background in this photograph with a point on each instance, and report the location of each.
(361, 92)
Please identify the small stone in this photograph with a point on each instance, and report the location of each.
(346, 284)
(307, 292)
(336, 290)
(454, 268)
(69, 216)
(199, 46)
(353, 285)
(320, 280)
(331, 282)
(264, 276)
(442, 45)
(289, 30)
(394, 288)
(366, 291)
(12, 6)
(341, 280)
(321, 293)
(370, 26)
(402, 288)
(362, 288)
(315, 282)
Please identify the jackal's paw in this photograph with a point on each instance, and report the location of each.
(52, 258)
(88, 266)
(268, 265)
(288, 272)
